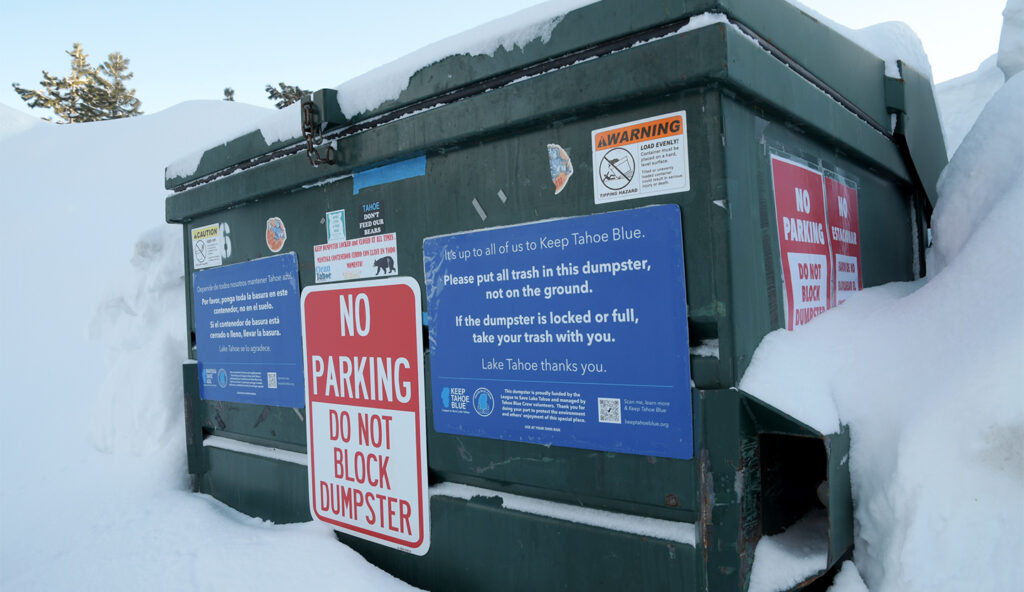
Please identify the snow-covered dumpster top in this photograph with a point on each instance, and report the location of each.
(844, 64)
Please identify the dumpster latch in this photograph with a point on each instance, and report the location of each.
(312, 130)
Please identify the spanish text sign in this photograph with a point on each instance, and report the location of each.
(843, 232)
(363, 353)
(566, 332)
(800, 213)
(248, 342)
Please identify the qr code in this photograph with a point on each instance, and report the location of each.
(609, 410)
(272, 380)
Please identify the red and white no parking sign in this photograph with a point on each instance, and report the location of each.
(363, 354)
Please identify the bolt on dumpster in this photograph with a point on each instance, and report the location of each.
(489, 330)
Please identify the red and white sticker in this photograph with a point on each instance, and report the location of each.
(357, 258)
(800, 213)
(363, 354)
(844, 239)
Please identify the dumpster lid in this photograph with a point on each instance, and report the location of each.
(557, 29)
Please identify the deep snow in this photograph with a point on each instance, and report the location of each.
(94, 487)
(94, 493)
(928, 375)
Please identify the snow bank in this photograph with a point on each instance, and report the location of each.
(928, 375)
(961, 100)
(1011, 41)
(139, 326)
(13, 122)
(986, 168)
(92, 343)
(848, 579)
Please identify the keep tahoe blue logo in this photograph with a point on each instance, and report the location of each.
(446, 397)
(483, 402)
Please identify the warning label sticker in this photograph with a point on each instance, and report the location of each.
(641, 158)
(206, 246)
(366, 257)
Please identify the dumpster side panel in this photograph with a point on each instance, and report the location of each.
(272, 489)
(753, 135)
(478, 545)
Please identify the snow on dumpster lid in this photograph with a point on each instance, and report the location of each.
(368, 91)
(561, 27)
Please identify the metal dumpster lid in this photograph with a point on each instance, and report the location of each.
(788, 32)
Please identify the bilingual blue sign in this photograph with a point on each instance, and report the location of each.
(568, 332)
(248, 336)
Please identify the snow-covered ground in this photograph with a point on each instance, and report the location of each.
(93, 491)
(93, 487)
(929, 376)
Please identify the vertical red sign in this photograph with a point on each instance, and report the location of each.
(844, 239)
(366, 439)
(800, 214)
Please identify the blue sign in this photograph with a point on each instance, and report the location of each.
(248, 336)
(567, 332)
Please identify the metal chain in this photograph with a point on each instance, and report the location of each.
(314, 136)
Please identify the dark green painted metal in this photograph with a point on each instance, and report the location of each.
(326, 105)
(504, 550)
(840, 495)
(256, 485)
(919, 130)
(895, 99)
(193, 428)
(818, 49)
(797, 36)
(756, 469)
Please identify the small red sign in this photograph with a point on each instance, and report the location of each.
(844, 239)
(803, 240)
(366, 438)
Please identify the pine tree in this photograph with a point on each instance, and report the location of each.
(86, 94)
(229, 94)
(46, 98)
(107, 96)
(76, 106)
(285, 95)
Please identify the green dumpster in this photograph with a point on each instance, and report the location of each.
(490, 331)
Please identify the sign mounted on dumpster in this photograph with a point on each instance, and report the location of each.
(366, 439)
(641, 158)
(843, 236)
(247, 332)
(568, 332)
(800, 213)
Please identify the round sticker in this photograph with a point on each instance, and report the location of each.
(275, 234)
(483, 402)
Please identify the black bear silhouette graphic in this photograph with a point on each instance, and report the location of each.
(385, 264)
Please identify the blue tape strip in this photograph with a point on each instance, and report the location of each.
(406, 169)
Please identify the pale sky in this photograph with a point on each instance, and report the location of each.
(192, 49)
